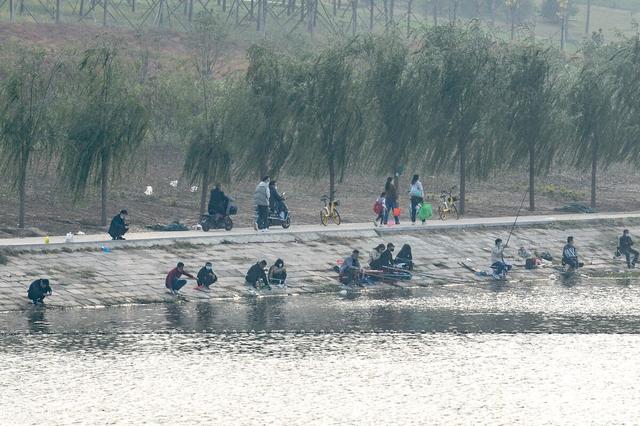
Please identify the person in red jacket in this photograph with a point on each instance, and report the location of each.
(173, 281)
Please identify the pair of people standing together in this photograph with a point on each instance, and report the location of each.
(390, 196)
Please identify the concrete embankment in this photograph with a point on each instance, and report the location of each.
(133, 271)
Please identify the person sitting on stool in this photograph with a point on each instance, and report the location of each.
(570, 255)
(118, 226)
(38, 290)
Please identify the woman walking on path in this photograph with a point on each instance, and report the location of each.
(391, 201)
(416, 192)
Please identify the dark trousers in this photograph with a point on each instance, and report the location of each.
(391, 205)
(119, 233)
(263, 217)
(38, 300)
(628, 253)
(572, 262)
(265, 281)
(176, 285)
(415, 201)
(279, 278)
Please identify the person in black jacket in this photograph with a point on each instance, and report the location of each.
(206, 276)
(404, 259)
(218, 201)
(278, 273)
(38, 290)
(256, 274)
(625, 248)
(386, 258)
(118, 226)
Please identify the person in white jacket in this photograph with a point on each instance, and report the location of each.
(416, 192)
(261, 198)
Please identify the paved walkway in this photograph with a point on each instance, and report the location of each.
(240, 234)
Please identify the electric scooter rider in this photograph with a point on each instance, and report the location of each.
(218, 203)
(276, 202)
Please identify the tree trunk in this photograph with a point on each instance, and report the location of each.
(435, 12)
(204, 191)
(104, 181)
(463, 175)
(586, 26)
(332, 179)
(532, 174)
(594, 171)
(22, 188)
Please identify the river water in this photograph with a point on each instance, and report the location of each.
(518, 353)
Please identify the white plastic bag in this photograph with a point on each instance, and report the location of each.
(148, 191)
(69, 237)
(174, 183)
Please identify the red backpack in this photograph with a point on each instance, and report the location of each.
(377, 207)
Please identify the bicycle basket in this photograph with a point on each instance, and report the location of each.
(232, 209)
(336, 203)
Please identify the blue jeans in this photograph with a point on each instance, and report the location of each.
(391, 204)
(500, 268)
(177, 284)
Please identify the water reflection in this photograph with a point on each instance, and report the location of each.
(36, 319)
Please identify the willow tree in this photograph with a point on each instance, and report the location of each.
(268, 142)
(467, 78)
(26, 127)
(210, 151)
(596, 121)
(392, 86)
(530, 111)
(107, 123)
(329, 121)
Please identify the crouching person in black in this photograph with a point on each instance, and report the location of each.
(256, 274)
(38, 290)
(118, 226)
(278, 273)
(206, 276)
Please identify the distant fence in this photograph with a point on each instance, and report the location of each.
(333, 16)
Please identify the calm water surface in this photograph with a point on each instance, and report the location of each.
(520, 353)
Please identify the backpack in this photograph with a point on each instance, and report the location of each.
(377, 207)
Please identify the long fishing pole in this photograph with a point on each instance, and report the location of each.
(517, 216)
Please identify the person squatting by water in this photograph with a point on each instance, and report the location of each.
(278, 273)
(570, 255)
(261, 198)
(206, 277)
(624, 247)
(498, 265)
(118, 226)
(256, 273)
(416, 192)
(386, 258)
(350, 270)
(38, 290)
(173, 281)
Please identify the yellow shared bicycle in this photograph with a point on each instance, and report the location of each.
(329, 211)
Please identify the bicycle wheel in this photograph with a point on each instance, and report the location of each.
(324, 216)
(455, 211)
(442, 212)
(336, 217)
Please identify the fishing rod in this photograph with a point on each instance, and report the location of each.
(516, 220)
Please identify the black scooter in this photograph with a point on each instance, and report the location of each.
(283, 217)
(218, 221)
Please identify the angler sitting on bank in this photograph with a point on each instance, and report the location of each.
(498, 265)
(374, 256)
(350, 270)
(570, 255)
(386, 258)
(404, 259)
